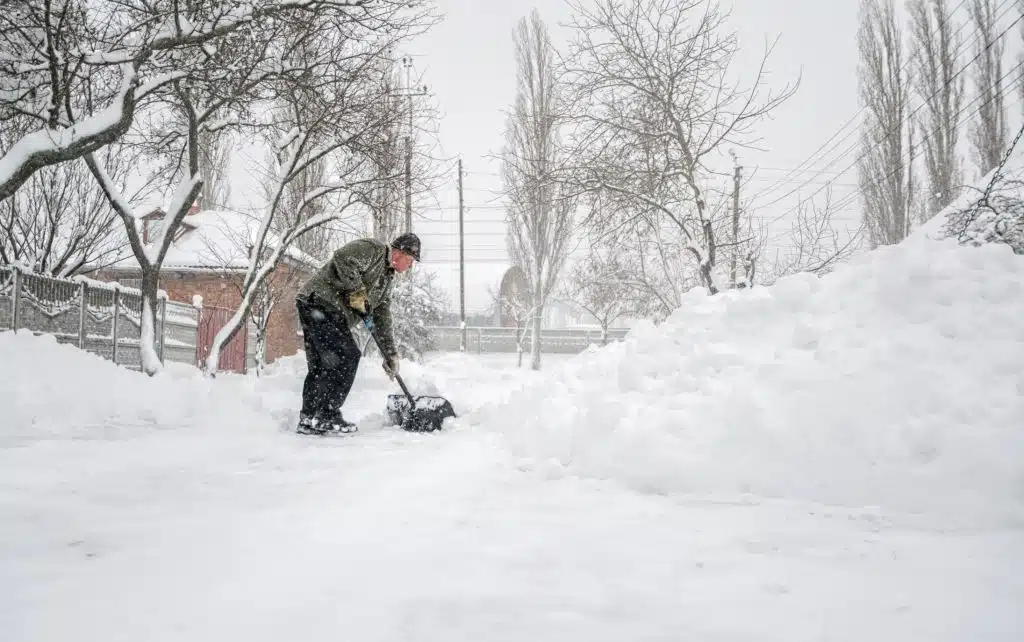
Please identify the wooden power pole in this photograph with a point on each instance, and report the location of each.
(735, 220)
(462, 266)
(407, 63)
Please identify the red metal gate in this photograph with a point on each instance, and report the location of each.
(232, 357)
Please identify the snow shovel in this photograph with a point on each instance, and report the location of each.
(420, 414)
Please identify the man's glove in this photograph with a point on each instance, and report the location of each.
(358, 302)
(391, 367)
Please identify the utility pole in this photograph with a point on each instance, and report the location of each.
(735, 218)
(407, 63)
(462, 266)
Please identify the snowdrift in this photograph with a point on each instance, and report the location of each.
(55, 392)
(51, 390)
(894, 384)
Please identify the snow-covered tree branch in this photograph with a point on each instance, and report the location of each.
(77, 70)
(997, 215)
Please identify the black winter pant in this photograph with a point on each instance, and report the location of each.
(332, 357)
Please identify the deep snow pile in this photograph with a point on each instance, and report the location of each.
(895, 383)
(55, 391)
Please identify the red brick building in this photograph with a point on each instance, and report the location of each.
(206, 264)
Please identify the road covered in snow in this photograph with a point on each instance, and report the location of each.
(833, 459)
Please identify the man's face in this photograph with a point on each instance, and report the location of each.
(401, 261)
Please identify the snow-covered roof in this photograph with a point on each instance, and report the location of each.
(218, 240)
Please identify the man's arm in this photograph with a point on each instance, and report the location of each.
(382, 321)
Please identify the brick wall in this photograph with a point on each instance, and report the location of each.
(283, 339)
(218, 291)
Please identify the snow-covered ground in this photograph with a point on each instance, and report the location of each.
(839, 459)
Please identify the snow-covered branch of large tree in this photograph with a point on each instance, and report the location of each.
(62, 61)
(49, 146)
(60, 223)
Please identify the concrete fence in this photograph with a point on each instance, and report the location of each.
(105, 319)
(102, 318)
(496, 339)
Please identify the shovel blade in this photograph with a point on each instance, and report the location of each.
(428, 415)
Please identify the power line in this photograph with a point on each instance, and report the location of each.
(847, 200)
(903, 121)
(853, 147)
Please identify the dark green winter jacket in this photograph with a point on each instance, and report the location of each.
(361, 264)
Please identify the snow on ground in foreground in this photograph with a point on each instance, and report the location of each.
(895, 384)
(179, 508)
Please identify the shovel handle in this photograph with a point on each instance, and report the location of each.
(368, 323)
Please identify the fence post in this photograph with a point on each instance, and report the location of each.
(479, 340)
(15, 295)
(83, 304)
(117, 306)
(163, 326)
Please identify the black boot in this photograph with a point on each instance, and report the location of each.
(340, 425)
(311, 425)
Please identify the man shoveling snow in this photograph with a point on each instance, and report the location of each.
(357, 280)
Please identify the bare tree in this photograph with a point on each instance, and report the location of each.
(214, 160)
(213, 82)
(516, 304)
(656, 102)
(78, 70)
(939, 87)
(388, 154)
(884, 165)
(601, 287)
(988, 133)
(540, 213)
(816, 245)
(1020, 57)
